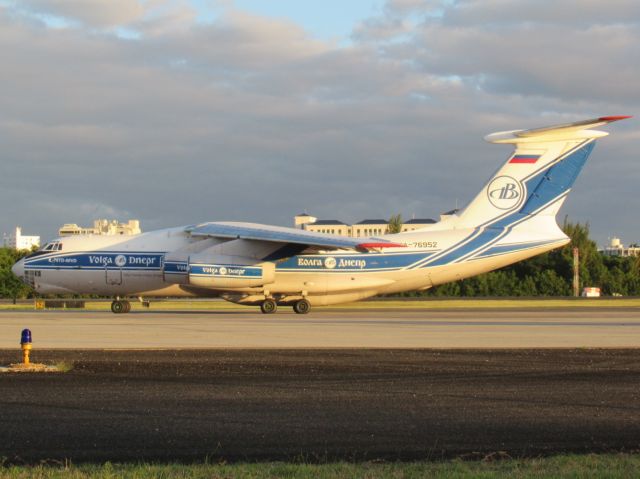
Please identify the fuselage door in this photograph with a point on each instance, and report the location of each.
(113, 272)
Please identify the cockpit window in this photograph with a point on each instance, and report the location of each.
(53, 246)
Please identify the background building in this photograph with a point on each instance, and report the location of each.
(333, 227)
(102, 227)
(19, 241)
(303, 219)
(371, 227)
(616, 248)
(416, 223)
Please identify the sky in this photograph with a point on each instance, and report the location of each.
(177, 112)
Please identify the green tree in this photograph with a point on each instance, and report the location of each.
(551, 274)
(549, 283)
(10, 285)
(395, 224)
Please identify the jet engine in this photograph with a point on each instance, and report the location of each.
(219, 272)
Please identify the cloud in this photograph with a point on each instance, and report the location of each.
(573, 13)
(576, 50)
(96, 13)
(251, 118)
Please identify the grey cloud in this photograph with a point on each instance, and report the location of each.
(576, 49)
(249, 118)
(583, 13)
(504, 12)
(95, 13)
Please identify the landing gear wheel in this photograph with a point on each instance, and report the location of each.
(302, 306)
(127, 306)
(118, 307)
(268, 306)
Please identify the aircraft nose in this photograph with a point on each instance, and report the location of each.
(18, 269)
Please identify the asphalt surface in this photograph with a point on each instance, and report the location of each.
(328, 328)
(318, 405)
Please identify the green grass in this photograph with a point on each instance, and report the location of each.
(64, 366)
(567, 466)
(431, 303)
(491, 303)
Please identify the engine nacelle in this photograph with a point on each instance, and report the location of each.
(230, 272)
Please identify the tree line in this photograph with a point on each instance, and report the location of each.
(550, 274)
(10, 286)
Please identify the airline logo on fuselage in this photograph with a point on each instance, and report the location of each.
(121, 260)
(222, 270)
(332, 263)
(103, 260)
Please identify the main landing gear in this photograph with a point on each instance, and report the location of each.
(269, 306)
(302, 306)
(119, 306)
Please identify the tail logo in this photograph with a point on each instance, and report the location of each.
(504, 192)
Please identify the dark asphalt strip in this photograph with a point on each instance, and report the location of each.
(318, 405)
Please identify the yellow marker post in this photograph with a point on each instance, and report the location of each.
(26, 366)
(25, 342)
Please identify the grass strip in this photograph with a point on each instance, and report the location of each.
(564, 466)
(427, 304)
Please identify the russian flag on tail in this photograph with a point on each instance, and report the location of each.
(529, 159)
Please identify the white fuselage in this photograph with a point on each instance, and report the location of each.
(511, 218)
(138, 265)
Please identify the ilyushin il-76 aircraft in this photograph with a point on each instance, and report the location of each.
(512, 218)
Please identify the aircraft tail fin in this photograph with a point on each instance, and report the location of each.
(538, 176)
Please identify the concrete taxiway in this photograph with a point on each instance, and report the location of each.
(332, 328)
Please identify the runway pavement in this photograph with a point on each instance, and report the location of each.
(317, 405)
(334, 328)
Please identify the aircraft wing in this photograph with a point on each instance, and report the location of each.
(279, 234)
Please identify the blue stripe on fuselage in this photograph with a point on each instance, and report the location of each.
(98, 260)
(355, 262)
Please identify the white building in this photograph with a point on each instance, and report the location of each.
(332, 227)
(616, 248)
(416, 223)
(102, 227)
(19, 241)
(303, 219)
(364, 228)
(370, 228)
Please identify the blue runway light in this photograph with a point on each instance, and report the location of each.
(26, 336)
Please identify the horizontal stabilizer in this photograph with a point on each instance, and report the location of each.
(578, 129)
